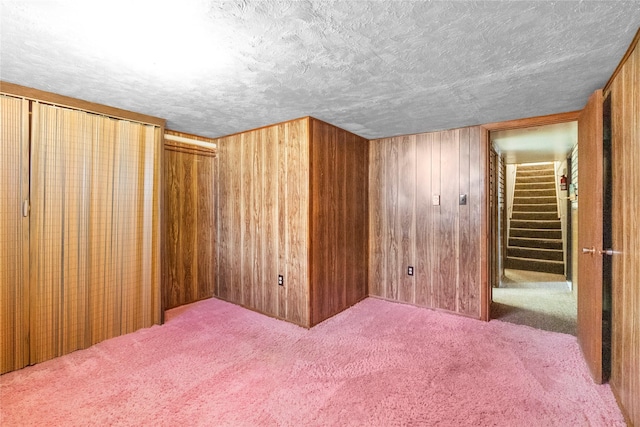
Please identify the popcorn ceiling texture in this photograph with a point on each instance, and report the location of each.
(376, 68)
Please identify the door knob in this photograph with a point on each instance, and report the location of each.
(609, 252)
(591, 251)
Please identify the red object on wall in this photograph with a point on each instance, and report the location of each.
(563, 183)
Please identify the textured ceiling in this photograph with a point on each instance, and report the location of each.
(376, 68)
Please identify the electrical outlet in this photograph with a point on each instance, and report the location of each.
(435, 200)
(280, 280)
(410, 271)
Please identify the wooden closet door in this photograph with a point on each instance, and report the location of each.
(94, 237)
(14, 233)
(59, 222)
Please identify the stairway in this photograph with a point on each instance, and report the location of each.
(535, 232)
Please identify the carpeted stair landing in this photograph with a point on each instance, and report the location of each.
(535, 231)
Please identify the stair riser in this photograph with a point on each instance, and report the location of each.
(534, 266)
(535, 243)
(535, 234)
(536, 224)
(547, 216)
(550, 255)
(535, 208)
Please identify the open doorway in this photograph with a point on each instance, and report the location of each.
(534, 212)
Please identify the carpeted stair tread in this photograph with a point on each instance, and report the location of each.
(535, 192)
(536, 224)
(523, 215)
(527, 242)
(545, 200)
(536, 185)
(550, 179)
(535, 207)
(546, 266)
(533, 233)
(536, 173)
(538, 166)
(535, 253)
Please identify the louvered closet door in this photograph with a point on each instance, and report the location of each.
(14, 233)
(94, 229)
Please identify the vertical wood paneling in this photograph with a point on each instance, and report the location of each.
(447, 223)
(470, 243)
(206, 231)
(465, 247)
(282, 244)
(434, 240)
(339, 222)
(235, 203)
(224, 215)
(248, 239)
(424, 221)
(625, 339)
(443, 242)
(405, 226)
(270, 220)
(257, 224)
(190, 225)
(356, 219)
(263, 220)
(14, 234)
(391, 188)
(377, 201)
(297, 193)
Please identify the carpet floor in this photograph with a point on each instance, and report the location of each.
(377, 364)
(540, 300)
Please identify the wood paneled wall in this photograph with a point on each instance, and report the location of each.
(190, 232)
(444, 242)
(263, 220)
(339, 221)
(625, 120)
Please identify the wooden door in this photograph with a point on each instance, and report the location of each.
(14, 234)
(590, 209)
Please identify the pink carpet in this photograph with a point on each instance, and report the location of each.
(376, 364)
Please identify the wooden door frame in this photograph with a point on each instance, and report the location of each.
(551, 119)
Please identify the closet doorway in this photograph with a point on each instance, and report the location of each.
(79, 221)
